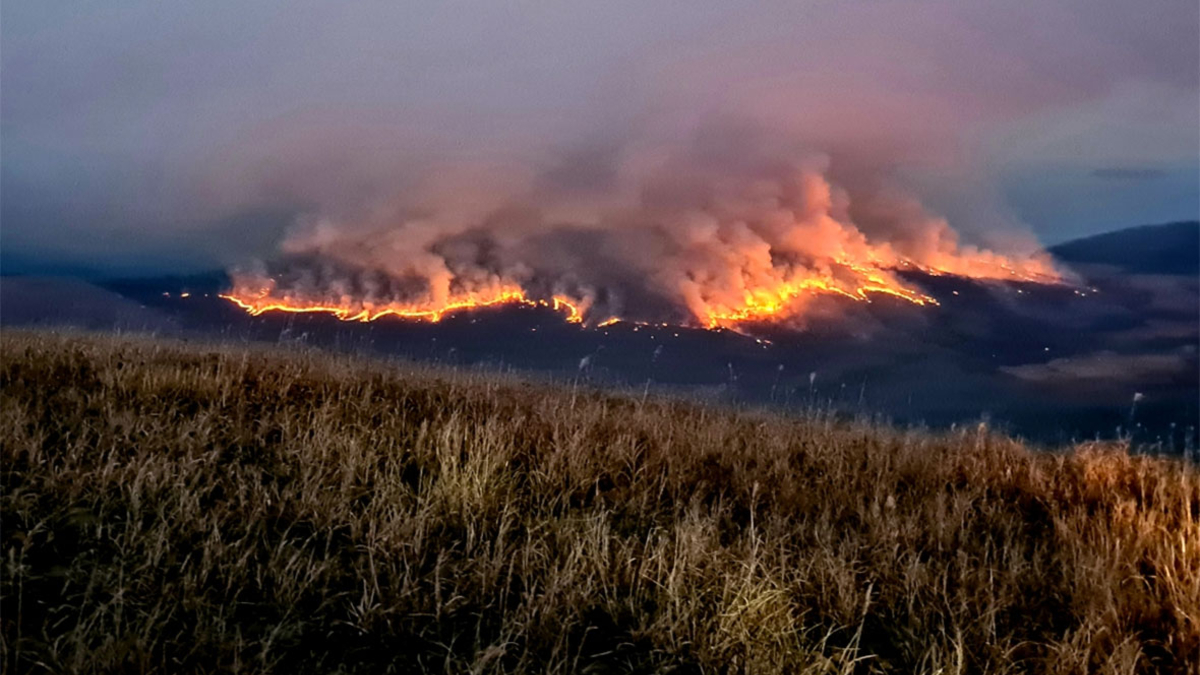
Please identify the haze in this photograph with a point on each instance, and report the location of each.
(141, 137)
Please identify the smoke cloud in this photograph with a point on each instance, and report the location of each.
(722, 229)
(678, 144)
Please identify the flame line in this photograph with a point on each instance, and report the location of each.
(557, 303)
(760, 304)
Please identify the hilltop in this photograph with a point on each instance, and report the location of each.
(202, 508)
(1169, 248)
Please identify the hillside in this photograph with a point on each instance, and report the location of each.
(1171, 248)
(1051, 363)
(170, 507)
(56, 301)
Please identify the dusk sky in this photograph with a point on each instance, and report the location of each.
(145, 137)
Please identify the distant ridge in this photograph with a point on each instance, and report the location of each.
(64, 301)
(1171, 248)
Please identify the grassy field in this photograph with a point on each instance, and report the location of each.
(179, 508)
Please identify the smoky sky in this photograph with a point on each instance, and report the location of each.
(150, 135)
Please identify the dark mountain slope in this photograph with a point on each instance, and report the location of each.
(1172, 248)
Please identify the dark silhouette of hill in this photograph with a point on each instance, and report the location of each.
(1171, 248)
(66, 301)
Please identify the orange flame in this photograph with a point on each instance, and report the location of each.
(263, 300)
(774, 300)
(743, 249)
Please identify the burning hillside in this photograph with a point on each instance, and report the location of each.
(687, 244)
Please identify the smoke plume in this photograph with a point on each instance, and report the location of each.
(720, 230)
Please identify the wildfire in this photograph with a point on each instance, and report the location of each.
(774, 300)
(765, 304)
(262, 300)
(742, 250)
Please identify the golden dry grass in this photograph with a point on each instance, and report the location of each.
(179, 508)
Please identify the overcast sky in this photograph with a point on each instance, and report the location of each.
(148, 136)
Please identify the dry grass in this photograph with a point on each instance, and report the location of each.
(173, 508)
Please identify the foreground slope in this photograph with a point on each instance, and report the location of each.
(169, 507)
